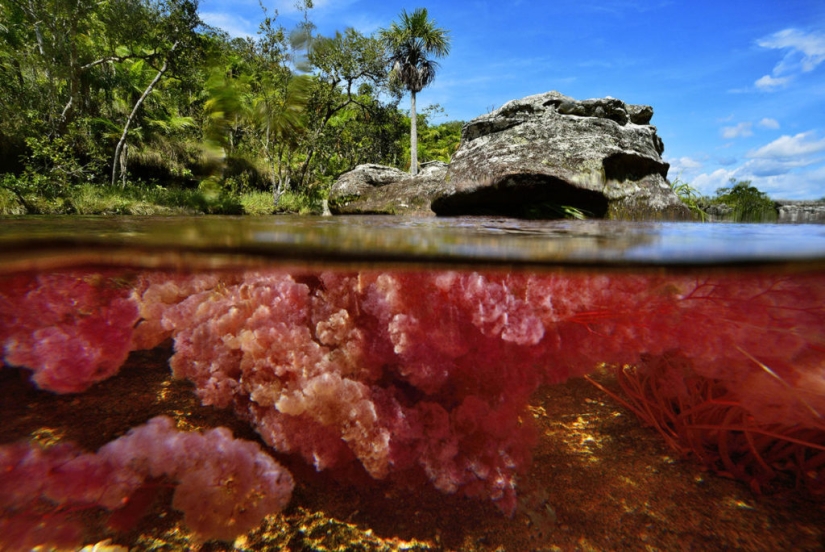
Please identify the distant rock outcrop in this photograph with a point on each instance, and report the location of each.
(800, 211)
(533, 157)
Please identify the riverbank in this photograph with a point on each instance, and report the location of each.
(149, 199)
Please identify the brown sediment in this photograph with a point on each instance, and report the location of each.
(599, 480)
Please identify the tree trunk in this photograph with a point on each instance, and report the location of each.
(413, 136)
(279, 189)
(135, 109)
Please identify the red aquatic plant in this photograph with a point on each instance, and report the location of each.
(712, 420)
(70, 329)
(430, 371)
(225, 486)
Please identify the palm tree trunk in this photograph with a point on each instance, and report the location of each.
(413, 136)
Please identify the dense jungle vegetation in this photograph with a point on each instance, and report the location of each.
(137, 106)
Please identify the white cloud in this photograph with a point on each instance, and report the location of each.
(785, 147)
(320, 8)
(235, 26)
(769, 123)
(785, 155)
(688, 163)
(808, 184)
(770, 83)
(805, 51)
(738, 131)
(683, 168)
(804, 185)
(707, 184)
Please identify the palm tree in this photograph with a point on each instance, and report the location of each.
(409, 42)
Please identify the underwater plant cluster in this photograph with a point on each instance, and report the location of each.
(424, 372)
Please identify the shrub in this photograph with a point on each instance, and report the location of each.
(748, 204)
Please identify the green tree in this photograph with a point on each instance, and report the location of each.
(348, 70)
(172, 37)
(68, 74)
(256, 101)
(748, 203)
(411, 43)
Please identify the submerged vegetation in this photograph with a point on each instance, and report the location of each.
(137, 106)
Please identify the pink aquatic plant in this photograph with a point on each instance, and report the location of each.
(399, 371)
(225, 486)
(430, 371)
(70, 329)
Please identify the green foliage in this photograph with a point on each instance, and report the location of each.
(748, 204)
(550, 210)
(10, 204)
(257, 203)
(739, 202)
(436, 142)
(141, 90)
(691, 197)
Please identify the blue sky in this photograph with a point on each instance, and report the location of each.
(737, 86)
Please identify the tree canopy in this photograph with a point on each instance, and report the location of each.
(143, 93)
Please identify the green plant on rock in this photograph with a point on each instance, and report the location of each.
(691, 197)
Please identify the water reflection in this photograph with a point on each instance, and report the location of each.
(475, 240)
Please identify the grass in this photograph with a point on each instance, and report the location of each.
(291, 202)
(150, 199)
(257, 203)
(133, 199)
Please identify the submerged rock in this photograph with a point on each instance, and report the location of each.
(539, 153)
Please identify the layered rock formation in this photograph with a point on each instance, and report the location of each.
(534, 157)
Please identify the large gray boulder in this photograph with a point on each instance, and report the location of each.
(376, 189)
(532, 156)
